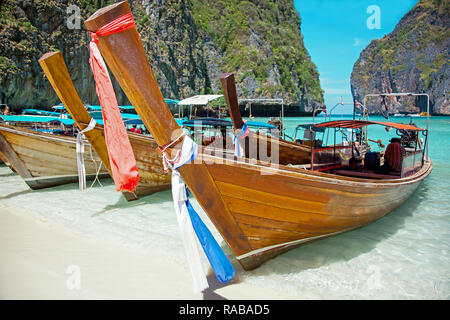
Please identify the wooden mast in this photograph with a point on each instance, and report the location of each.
(288, 152)
(125, 56)
(229, 91)
(56, 71)
(134, 73)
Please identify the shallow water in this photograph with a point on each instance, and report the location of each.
(404, 255)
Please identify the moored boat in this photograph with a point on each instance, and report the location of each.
(45, 160)
(148, 160)
(261, 209)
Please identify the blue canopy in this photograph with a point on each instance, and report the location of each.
(40, 112)
(259, 124)
(96, 108)
(129, 116)
(223, 123)
(133, 121)
(27, 118)
(41, 119)
(172, 101)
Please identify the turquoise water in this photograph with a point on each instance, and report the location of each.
(404, 255)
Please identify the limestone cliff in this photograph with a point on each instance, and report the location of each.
(189, 44)
(413, 58)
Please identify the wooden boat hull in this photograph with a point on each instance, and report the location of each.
(45, 160)
(260, 210)
(304, 205)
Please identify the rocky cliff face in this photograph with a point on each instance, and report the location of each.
(413, 58)
(189, 44)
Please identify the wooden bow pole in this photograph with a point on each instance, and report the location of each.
(57, 73)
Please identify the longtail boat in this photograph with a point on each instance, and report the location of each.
(45, 160)
(151, 176)
(259, 208)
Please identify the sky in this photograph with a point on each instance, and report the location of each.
(336, 31)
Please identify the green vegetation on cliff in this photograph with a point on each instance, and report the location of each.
(414, 57)
(256, 36)
(189, 43)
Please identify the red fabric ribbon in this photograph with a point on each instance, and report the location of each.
(121, 157)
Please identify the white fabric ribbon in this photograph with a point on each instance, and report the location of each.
(80, 155)
(238, 148)
(190, 242)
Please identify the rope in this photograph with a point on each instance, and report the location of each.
(166, 160)
(80, 155)
(97, 169)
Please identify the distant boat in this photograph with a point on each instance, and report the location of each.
(414, 115)
(399, 115)
(42, 159)
(425, 114)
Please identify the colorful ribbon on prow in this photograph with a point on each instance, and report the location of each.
(238, 148)
(190, 223)
(123, 163)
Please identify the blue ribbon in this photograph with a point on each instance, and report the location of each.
(219, 262)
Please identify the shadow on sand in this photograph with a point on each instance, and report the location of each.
(158, 197)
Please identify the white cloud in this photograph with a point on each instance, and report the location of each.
(357, 42)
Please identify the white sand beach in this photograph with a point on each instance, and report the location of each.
(42, 260)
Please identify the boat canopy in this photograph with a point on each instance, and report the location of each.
(222, 123)
(207, 122)
(354, 124)
(26, 118)
(40, 119)
(168, 101)
(40, 112)
(199, 100)
(311, 126)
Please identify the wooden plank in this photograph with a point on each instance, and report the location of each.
(56, 71)
(229, 91)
